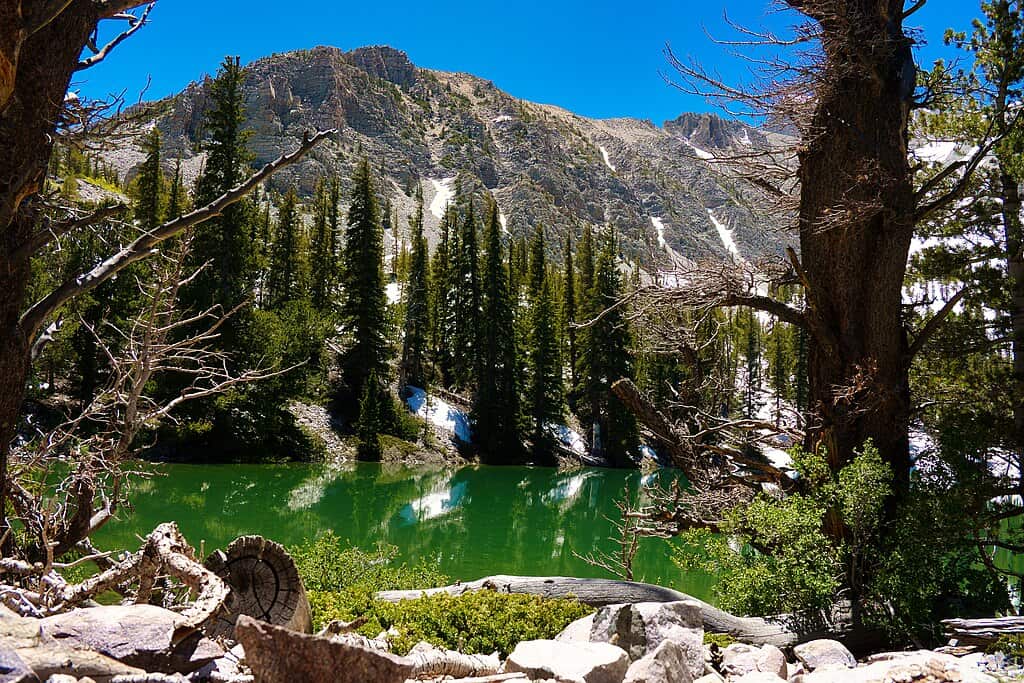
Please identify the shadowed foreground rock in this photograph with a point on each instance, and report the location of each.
(277, 654)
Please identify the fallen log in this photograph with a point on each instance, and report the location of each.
(265, 584)
(602, 592)
(982, 631)
(429, 662)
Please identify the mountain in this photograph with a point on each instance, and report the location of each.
(443, 130)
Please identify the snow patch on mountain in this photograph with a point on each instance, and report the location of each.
(701, 153)
(394, 292)
(444, 193)
(504, 223)
(725, 234)
(659, 227)
(607, 161)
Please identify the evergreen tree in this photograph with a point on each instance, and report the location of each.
(149, 185)
(226, 241)
(466, 283)
(176, 200)
(443, 298)
(569, 311)
(369, 426)
(495, 415)
(287, 280)
(752, 380)
(538, 264)
(546, 392)
(584, 263)
(604, 359)
(364, 307)
(323, 249)
(417, 320)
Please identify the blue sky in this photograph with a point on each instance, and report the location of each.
(595, 57)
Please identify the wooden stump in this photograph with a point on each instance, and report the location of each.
(265, 585)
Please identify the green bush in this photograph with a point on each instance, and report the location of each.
(340, 583)
(479, 622)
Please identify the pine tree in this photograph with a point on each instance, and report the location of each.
(176, 199)
(370, 424)
(584, 263)
(752, 380)
(443, 298)
(417, 320)
(538, 264)
(495, 415)
(604, 359)
(466, 283)
(149, 184)
(226, 241)
(364, 307)
(287, 279)
(323, 256)
(569, 311)
(546, 392)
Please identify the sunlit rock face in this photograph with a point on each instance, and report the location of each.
(451, 132)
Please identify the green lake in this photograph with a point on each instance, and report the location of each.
(471, 521)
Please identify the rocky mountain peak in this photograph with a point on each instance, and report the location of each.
(385, 63)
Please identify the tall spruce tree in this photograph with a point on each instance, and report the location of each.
(538, 262)
(149, 184)
(584, 262)
(322, 259)
(467, 309)
(226, 241)
(364, 306)
(443, 298)
(177, 202)
(605, 358)
(495, 415)
(287, 278)
(545, 396)
(417, 308)
(569, 311)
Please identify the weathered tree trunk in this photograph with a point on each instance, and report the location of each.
(856, 222)
(44, 63)
(1014, 232)
(264, 583)
(602, 592)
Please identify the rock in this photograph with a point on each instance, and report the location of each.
(61, 678)
(569, 662)
(578, 631)
(819, 654)
(740, 658)
(757, 677)
(276, 654)
(924, 666)
(710, 678)
(13, 669)
(639, 629)
(667, 664)
(223, 668)
(144, 636)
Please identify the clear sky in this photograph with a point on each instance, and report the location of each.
(595, 57)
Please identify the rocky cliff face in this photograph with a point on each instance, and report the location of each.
(443, 130)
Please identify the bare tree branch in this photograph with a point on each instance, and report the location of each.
(134, 24)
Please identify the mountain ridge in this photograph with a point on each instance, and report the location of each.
(542, 162)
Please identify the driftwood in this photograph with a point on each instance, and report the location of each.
(982, 631)
(265, 584)
(428, 660)
(602, 592)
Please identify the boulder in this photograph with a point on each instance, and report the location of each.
(278, 654)
(710, 678)
(821, 654)
(740, 658)
(641, 627)
(569, 662)
(667, 664)
(578, 631)
(924, 666)
(757, 677)
(13, 669)
(143, 636)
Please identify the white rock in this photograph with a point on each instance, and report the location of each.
(757, 677)
(710, 678)
(741, 658)
(818, 654)
(667, 664)
(906, 668)
(578, 631)
(569, 662)
(639, 629)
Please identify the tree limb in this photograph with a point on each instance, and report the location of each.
(43, 237)
(933, 324)
(35, 317)
(135, 23)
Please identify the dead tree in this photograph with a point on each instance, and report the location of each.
(41, 43)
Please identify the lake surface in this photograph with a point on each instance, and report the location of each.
(470, 521)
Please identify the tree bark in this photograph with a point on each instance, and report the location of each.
(42, 69)
(856, 221)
